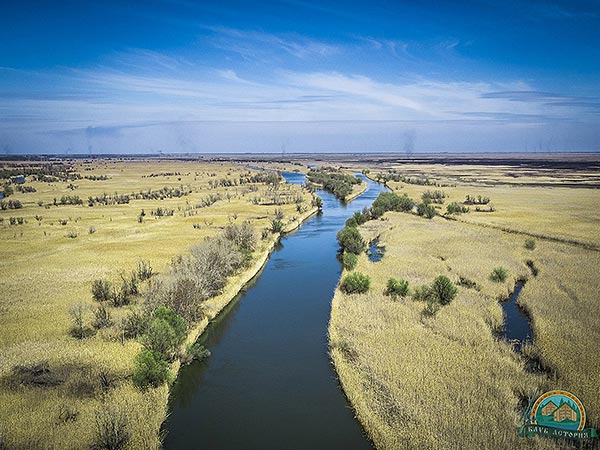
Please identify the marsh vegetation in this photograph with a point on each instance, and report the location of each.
(420, 354)
(95, 323)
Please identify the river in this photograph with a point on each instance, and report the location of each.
(269, 383)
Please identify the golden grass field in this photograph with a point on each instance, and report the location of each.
(447, 381)
(43, 272)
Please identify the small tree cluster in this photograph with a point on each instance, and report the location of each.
(427, 211)
(441, 292)
(476, 200)
(350, 240)
(390, 201)
(436, 196)
(163, 336)
(10, 204)
(456, 208)
(358, 218)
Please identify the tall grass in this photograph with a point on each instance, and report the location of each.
(43, 274)
(445, 381)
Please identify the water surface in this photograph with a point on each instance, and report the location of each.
(516, 323)
(269, 383)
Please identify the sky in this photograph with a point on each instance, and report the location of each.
(170, 76)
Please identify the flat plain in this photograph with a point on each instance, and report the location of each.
(447, 379)
(49, 261)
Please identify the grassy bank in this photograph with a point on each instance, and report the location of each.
(423, 381)
(49, 262)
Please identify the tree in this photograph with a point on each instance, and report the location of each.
(443, 290)
(242, 236)
(529, 244)
(350, 240)
(427, 211)
(160, 338)
(356, 283)
(151, 369)
(176, 322)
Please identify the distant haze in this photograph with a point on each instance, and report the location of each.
(293, 76)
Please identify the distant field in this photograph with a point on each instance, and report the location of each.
(446, 381)
(48, 264)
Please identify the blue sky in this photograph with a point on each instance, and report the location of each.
(300, 76)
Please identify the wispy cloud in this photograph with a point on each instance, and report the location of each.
(252, 44)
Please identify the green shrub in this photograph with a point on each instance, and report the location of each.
(151, 369)
(160, 338)
(390, 201)
(456, 208)
(397, 288)
(422, 293)
(499, 274)
(350, 240)
(194, 352)
(174, 320)
(165, 333)
(276, 226)
(349, 260)
(529, 244)
(443, 290)
(356, 283)
(426, 211)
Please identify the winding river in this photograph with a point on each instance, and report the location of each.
(269, 383)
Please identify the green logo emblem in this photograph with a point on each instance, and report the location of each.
(557, 414)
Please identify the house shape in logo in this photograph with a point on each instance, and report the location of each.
(549, 408)
(564, 412)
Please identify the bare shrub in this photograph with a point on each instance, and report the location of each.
(112, 429)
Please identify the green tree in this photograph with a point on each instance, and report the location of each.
(151, 369)
(174, 320)
(426, 211)
(356, 283)
(350, 240)
(349, 260)
(160, 338)
(443, 290)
